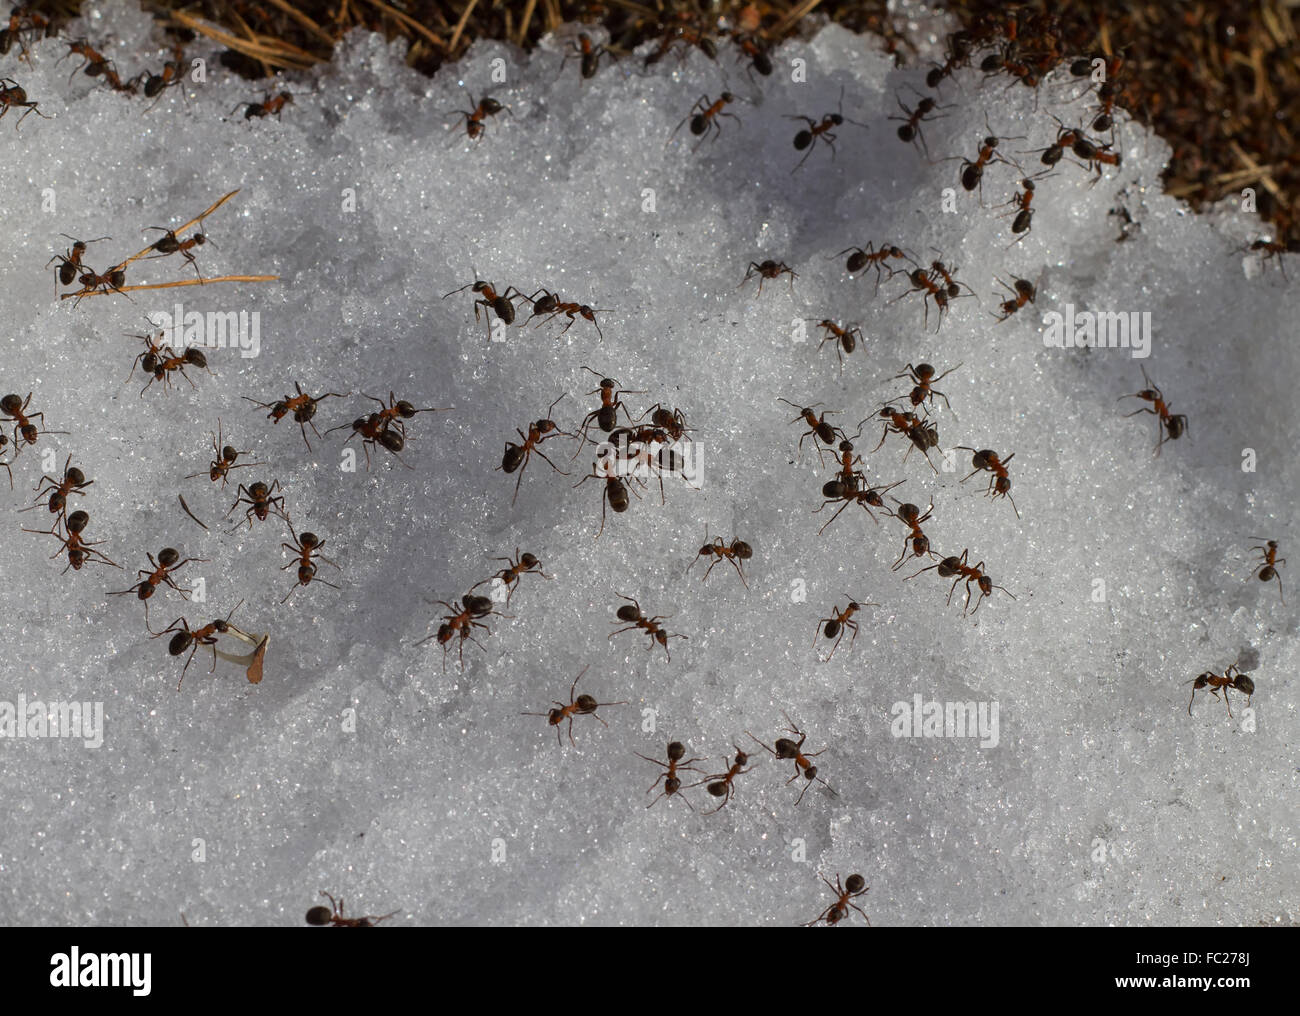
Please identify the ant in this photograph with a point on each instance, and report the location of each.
(302, 405)
(1241, 683)
(922, 435)
(501, 303)
(923, 375)
(674, 765)
(606, 416)
(957, 566)
(319, 917)
(549, 305)
(671, 422)
(112, 281)
(1266, 570)
(1023, 223)
(848, 477)
(98, 65)
(522, 564)
(787, 749)
(615, 494)
(4, 440)
(1066, 137)
(845, 339)
(374, 432)
(818, 428)
(924, 282)
(398, 410)
(860, 259)
(583, 705)
(635, 618)
(225, 458)
(958, 55)
(910, 515)
(721, 784)
(999, 482)
(769, 270)
(912, 120)
(56, 497)
(79, 551)
(187, 638)
(516, 456)
(854, 886)
(590, 55)
(171, 244)
(953, 288)
(168, 564)
(703, 115)
(12, 97)
(269, 106)
(1266, 249)
(25, 432)
(175, 362)
(70, 260)
(258, 496)
(156, 84)
(153, 355)
(838, 623)
(474, 126)
(1022, 293)
(735, 552)
(1171, 426)
(305, 546)
(841, 490)
(972, 173)
(463, 618)
(815, 131)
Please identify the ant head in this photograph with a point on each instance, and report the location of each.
(741, 757)
(168, 556)
(554, 717)
(1203, 680)
(11, 404)
(77, 521)
(986, 585)
(676, 751)
(846, 445)
(908, 512)
(279, 409)
(405, 409)
(318, 917)
(28, 432)
(855, 883)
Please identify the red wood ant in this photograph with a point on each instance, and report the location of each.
(1023, 223)
(500, 303)
(153, 354)
(463, 619)
(305, 546)
(803, 766)
(999, 482)
(224, 461)
(590, 55)
(171, 244)
(972, 173)
(852, 888)
(922, 282)
(1023, 292)
(910, 515)
(302, 406)
(4, 440)
(25, 432)
(397, 410)
(616, 490)
(845, 339)
(606, 416)
(859, 259)
(722, 784)
(923, 436)
(112, 281)
(156, 84)
(258, 497)
(271, 105)
(14, 96)
(187, 638)
(165, 364)
(816, 131)
(168, 564)
(56, 496)
(70, 260)
(957, 566)
(912, 120)
(522, 564)
(474, 119)
(923, 376)
(1171, 426)
(704, 115)
(1241, 683)
(674, 765)
(769, 270)
(583, 705)
(547, 305)
(374, 432)
(735, 552)
(838, 623)
(958, 55)
(516, 456)
(1266, 570)
(1267, 249)
(840, 490)
(79, 550)
(634, 617)
(319, 917)
(818, 428)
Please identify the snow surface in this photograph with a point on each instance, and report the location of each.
(1096, 757)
